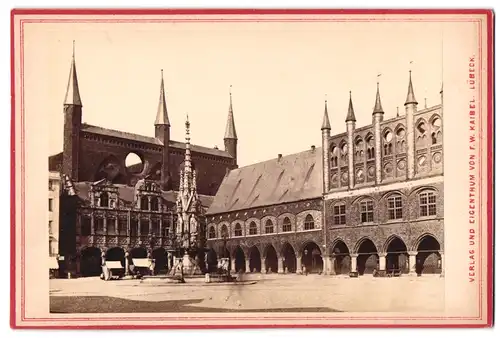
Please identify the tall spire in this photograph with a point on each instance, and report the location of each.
(326, 120)
(350, 111)
(72, 92)
(378, 104)
(162, 114)
(230, 126)
(410, 98)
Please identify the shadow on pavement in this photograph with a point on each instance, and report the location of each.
(98, 304)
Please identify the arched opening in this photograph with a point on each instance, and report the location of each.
(116, 254)
(255, 263)
(289, 258)
(341, 259)
(271, 259)
(309, 222)
(138, 253)
(367, 257)
(211, 232)
(397, 256)
(428, 257)
(160, 257)
(90, 263)
(134, 163)
(212, 260)
(239, 260)
(311, 258)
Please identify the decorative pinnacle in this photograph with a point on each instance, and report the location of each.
(378, 104)
(410, 98)
(326, 120)
(350, 111)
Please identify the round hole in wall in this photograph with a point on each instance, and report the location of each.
(134, 163)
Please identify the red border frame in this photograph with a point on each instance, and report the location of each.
(111, 11)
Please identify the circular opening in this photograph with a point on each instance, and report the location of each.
(437, 122)
(388, 136)
(134, 163)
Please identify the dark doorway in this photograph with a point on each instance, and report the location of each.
(160, 257)
(116, 254)
(239, 259)
(311, 258)
(342, 259)
(90, 264)
(290, 260)
(397, 256)
(212, 260)
(428, 257)
(367, 257)
(255, 263)
(271, 259)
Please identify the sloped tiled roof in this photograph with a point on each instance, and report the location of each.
(126, 194)
(289, 178)
(151, 140)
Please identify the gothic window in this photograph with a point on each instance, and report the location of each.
(104, 200)
(85, 226)
(400, 140)
(370, 147)
(154, 204)
(144, 203)
(134, 227)
(421, 141)
(211, 232)
(366, 211)
(395, 207)
(427, 203)
(339, 214)
(309, 223)
(110, 226)
(122, 226)
(253, 229)
(359, 155)
(388, 138)
(155, 225)
(287, 225)
(144, 227)
(334, 157)
(343, 154)
(269, 228)
(99, 224)
(223, 232)
(238, 231)
(436, 135)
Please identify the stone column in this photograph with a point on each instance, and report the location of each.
(126, 264)
(247, 265)
(325, 133)
(327, 265)
(92, 227)
(354, 266)
(262, 265)
(333, 265)
(441, 253)
(411, 109)
(105, 222)
(382, 263)
(413, 263)
(233, 265)
(299, 265)
(103, 257)
(280, 265)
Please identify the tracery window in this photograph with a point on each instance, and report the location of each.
(269, 228)
(309, 223)
(395, 207)
(366, 211)
(287, 225)
(253, 228)
(339, 214)
(238, 231)
(211, 232)
(427, 203)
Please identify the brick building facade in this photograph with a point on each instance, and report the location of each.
(110, 210)
(370, 198)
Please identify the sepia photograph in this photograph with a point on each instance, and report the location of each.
(252, 169)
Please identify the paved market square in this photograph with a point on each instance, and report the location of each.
(257, 292)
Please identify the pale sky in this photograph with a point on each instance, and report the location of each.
(279, 72)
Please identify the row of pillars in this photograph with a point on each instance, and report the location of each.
(329, 264)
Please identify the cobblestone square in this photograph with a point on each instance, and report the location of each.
(259, 292)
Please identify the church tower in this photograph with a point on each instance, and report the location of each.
(162, 133)
(230, 137)
(72, 124)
